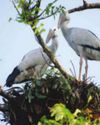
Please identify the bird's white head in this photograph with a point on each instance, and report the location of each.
(64, 17)
(52, 34)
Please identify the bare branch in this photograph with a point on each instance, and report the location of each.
(85, 6)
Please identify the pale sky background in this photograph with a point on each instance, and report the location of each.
(16, 39)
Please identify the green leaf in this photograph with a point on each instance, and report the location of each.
(77, 111)
(45, 121)
(89, 98)
(39, 29)
(60, 112)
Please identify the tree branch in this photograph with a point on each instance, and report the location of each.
(85, 6)
(51, 55)
(15, 7)
(47, 15)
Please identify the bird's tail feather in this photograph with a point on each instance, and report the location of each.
(12, 76)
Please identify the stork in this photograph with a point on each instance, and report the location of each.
(84, 42)
(34, 62)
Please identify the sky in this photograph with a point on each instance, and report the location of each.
(16, 39)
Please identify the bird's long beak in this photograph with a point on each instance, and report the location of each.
(49, 36)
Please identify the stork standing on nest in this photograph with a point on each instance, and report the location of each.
(34, 62)
(84, 42)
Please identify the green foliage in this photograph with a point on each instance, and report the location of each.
(30, 12)
(61, 115)
(52, 10)
(40, 29)
(46, 121)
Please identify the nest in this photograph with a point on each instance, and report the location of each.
(27, 104)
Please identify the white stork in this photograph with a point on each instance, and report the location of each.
(85, 43)
(34, 63)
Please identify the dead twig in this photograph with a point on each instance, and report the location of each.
(74, 71)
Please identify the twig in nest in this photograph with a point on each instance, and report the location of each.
(74, 71)
(88, 80)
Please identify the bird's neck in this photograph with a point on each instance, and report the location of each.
(64, 27)
(54, 45)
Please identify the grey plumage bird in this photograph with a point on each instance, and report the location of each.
(84, 42)
(34, 63)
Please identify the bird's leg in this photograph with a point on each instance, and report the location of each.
(86, 68)
(80, 68)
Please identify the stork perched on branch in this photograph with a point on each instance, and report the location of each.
(34, 63)
(85, 43)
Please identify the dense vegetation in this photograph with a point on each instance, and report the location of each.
(52, 100)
